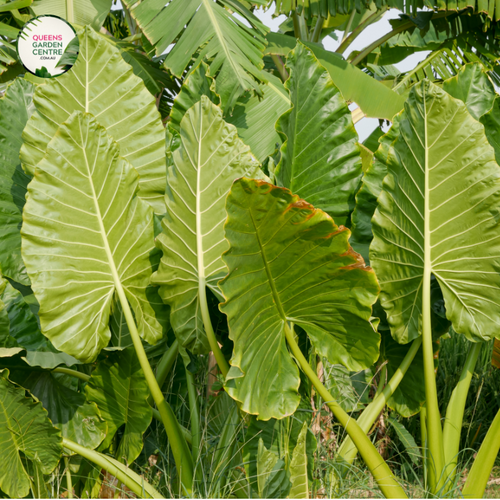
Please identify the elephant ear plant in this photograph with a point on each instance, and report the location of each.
(437, 217)
(235, 223)
(290, 264)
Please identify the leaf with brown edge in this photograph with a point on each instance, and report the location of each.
(290, 262)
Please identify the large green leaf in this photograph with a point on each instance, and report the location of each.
(101, 83)
(77, 419)
(85, 232)
(289, 262)
(15, 108)
(320, 157)
(82, 12)
(375, 99)
(210, 157)
(437, 214)
(298, 467)
(25, 433)
(234, 49)
(366, 197)
(472, 86)
(121, 392)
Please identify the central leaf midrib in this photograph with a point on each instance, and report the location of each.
(107, 249)
(199, 237)
(270, 278)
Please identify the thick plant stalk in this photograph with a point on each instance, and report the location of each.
(207, 323)
(435, 451)
(281, 67)
(166, 362)
(300, 27)
(348, 450)
(435, 455)
(423, 437)
(69, 479)
(165, 365)
(483, 464)
(127, 476)
(317, 30)
(378, 467)
(180, 450)
(348, 25)
(185, 432)
(73, 373)
(346, 42)
(195, 416)
(455, 413)
(383, 376)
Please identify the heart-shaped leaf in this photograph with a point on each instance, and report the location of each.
(438, 215)
(85, 233)
(289, 262)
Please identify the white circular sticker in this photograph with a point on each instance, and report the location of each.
(47, 46)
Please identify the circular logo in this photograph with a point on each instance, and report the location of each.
(47, 46)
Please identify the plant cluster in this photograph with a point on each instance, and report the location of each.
(202, 267)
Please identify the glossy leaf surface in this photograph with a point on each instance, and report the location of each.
(210, 157)
(438, 213)
(289, 262)
(84, 230)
